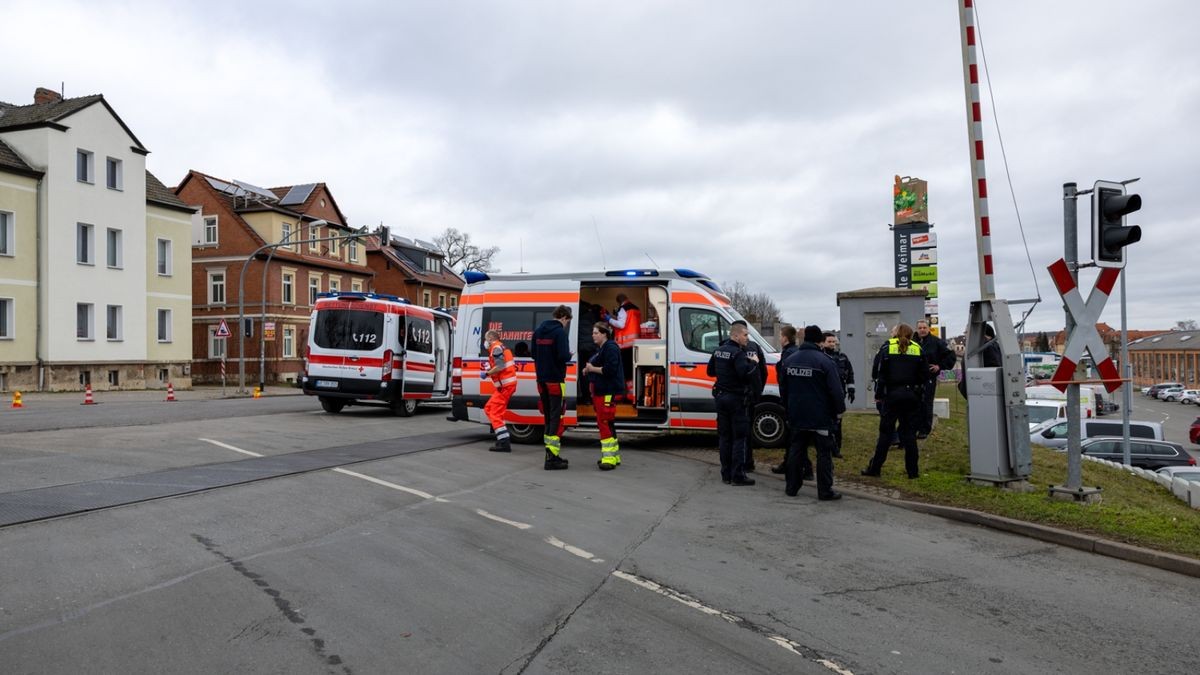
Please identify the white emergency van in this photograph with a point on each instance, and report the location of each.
(376, 349)
(685, 316)
(1045, 402)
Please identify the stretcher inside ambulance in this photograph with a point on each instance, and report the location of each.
(672, 321)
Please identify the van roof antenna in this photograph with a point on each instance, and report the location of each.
(596, 229)
(651, 259)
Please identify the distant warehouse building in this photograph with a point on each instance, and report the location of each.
(1167, 357)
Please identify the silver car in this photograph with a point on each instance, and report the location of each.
(1184, 472)
(1170, 393)
(1190, 396)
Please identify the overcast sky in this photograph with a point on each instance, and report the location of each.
(752, 141)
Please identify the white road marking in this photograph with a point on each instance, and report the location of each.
(229, 447)
(573, 550)
(384, 483)
(498, 519)
(687, 600)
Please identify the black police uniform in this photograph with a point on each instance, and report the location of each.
(734, 374)
(806, 469)
(756, 389)
(936, 353)
(812, 387)
(846, 375)
(900, 383)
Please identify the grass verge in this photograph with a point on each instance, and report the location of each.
(1132, 510)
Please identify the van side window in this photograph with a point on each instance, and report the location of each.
(420, 335)
(516, 326)
(703, 329)
(352, 329)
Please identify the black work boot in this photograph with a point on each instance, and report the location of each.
(501, 446)
(554, 462)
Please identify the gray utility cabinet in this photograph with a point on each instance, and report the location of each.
(868, 316)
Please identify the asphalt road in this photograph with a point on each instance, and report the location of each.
(457, 560)
(1175, 418)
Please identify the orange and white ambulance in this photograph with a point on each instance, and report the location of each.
(376, 349)
(685, 316)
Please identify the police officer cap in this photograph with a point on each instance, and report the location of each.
(813, 334)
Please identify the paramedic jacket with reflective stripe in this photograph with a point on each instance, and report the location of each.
(734, 372)
(893, 371)
(612, 380)
(500, 355)
(551, 353)
(811, 387)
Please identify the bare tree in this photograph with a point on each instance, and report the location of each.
(1188, 324)
(758, 308)
(461, 254)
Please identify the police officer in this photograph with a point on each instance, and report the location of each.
(899, 372)
(846, 374)
(756, 390)
(787, 340)
(551, 354)
(940, 357)
(812, 387)
(734, 368)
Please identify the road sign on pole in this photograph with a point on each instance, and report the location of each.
(222, 330)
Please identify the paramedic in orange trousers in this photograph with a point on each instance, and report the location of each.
(758, 383)
(627, 322)
(503, 372)
(606, 381)
(551, 354)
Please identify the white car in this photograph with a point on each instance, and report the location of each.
(1170, 393)
(1184, 472)
(1190, 396)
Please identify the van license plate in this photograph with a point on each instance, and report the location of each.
(326, 384)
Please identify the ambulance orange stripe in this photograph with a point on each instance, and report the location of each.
(536, 298)
(699, 298)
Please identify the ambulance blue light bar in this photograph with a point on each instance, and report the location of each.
(359, 295)
(473, 277)
(631, 273)
(689, 274)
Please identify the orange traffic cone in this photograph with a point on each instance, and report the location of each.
(87, 396)
(17, 400)
(258, 392)
(170, 393)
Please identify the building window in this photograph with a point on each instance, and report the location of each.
(164, 374)
(6, 318)
(85, 378)
(114, 378)
(210, 230)
(85, 244)
(7, 232)
(115, 255)
(164, 325)
(84, 168)
(163, 262)
(216, 345)
(84, 316)
(289, 288)
(353, 246)
(441, 299)
(426, 298)
(314, 288)
(433, 264)
(314, 234)
(335, 284)
(216, 288)
(289, 342)
(113, 324)
(356, 285)
(454, 301)
(114, 173)
(286, 235)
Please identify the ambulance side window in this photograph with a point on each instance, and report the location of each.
(703, 329)
(420, 335)
(401, 330)
(516, 326)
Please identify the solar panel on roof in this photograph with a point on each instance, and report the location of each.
(256, 191)
(298, 194)
(222, 186)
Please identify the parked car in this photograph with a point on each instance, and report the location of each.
(1194, 432)
(1152, 390)
(1184, 472)
(1190, 396)
(1053, 433)
(1170, 393)
(1143, 453)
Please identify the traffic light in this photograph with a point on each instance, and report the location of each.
(248, 326)
(1110, 234)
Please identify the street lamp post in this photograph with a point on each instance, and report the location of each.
(242, 296)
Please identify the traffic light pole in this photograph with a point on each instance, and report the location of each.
(1071, 256)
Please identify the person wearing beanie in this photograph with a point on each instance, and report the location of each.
(812, 388)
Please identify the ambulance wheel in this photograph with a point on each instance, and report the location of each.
(404, 407)
(768, 429)
(332, 405)
(525, 434)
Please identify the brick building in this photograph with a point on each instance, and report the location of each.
(1170, 356)
(415, 270)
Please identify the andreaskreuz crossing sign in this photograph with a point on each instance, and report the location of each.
(1085, 335)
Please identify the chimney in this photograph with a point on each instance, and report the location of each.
(44, 95)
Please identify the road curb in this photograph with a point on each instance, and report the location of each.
(1171, 562)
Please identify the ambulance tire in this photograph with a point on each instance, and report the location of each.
(525, 434)
(404, 407)
(768, 429)
(332, 406)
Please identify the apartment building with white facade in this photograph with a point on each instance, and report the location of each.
(110, 251)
